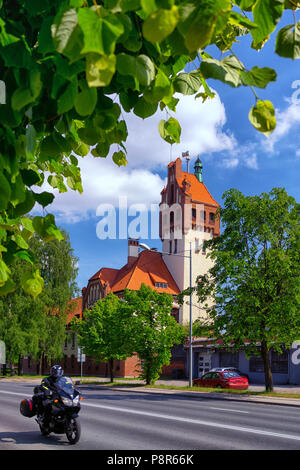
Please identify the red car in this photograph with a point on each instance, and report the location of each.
(224, 379)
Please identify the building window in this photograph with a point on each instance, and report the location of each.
(72, 361)
(66, 342)
(279, 362)
(211, 217)
(197, 249)
(73, 340)
(256, 364)
(170, 246)
(203, 247)
(161, 285)
(229, 359)
(175, 246)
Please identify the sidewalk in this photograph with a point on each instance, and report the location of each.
(292, 389)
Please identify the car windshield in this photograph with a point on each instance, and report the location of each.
(228, 374)
(65, 384)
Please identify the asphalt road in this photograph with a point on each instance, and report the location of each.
(119, 420)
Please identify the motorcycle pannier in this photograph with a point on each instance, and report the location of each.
(27, 408)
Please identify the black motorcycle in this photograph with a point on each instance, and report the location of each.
(58, 414)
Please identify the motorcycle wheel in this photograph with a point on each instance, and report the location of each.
(73, 430)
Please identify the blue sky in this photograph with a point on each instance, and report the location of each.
(233, 153)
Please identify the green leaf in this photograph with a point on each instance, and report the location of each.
(21, 97)
(202, 23)
(32, 283)
(160, 24)
(19, 240)
(144, 109)
(100, 69)
(26, 255)
(30, 177)
(66, 100)
(4, 272)
(5, 192)
(140, 67)
(226, 70)
(63, 28)
(100, 34)
(258, 77)
(266, 14)
(170, 130)
(25, 206)
(44, 198)
(8, 287)
(119, 158)
(187, 83)
(86, 101)
(288, 41)
(262, 117)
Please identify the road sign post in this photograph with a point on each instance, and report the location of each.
(81, 359)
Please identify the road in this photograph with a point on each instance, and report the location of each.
(119, 420)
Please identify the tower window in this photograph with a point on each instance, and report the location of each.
(211, 217)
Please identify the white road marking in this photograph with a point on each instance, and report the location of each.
(185, 420)
(228, 409)
(198, 421)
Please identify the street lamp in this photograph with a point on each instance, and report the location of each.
(146, 247)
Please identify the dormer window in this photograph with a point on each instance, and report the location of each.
(161, 285)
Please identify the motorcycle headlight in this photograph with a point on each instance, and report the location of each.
(67, 401)
(76, 400)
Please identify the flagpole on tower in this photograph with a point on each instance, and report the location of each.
(187, 157)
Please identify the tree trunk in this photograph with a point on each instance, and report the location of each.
(267, 367)
(40, 364)
(148, 372)
(20, 365)
(111, 369)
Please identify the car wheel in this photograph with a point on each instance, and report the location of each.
(219, 386)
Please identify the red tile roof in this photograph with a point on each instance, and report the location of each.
(198, 191)
(74, 308)
(148, 269)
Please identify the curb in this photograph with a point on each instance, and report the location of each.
(281, 401)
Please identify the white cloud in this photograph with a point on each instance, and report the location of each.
(104, 182)
(201, 133)
(285, 121)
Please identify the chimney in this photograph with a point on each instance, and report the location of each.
(133, 250)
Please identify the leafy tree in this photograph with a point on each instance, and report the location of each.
(72, 68)
(255, 279)
(106, 331)
(37, 326)
(156, 331)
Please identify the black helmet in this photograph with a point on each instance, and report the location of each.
(56, 371)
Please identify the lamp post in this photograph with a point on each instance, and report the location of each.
(146, 247)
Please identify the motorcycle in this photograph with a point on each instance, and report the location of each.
(62, 411)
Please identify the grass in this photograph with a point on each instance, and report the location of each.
(130, 382)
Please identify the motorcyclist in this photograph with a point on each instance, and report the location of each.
(43, 393)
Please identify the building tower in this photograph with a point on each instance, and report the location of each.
(187, 216)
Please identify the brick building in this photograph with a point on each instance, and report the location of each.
(187, 219)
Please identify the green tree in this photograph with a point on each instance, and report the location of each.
(73, 68)
(156, 331)
(106, 331)
(37, 326)
(255, 279)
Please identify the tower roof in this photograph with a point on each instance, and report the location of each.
(197, 190)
